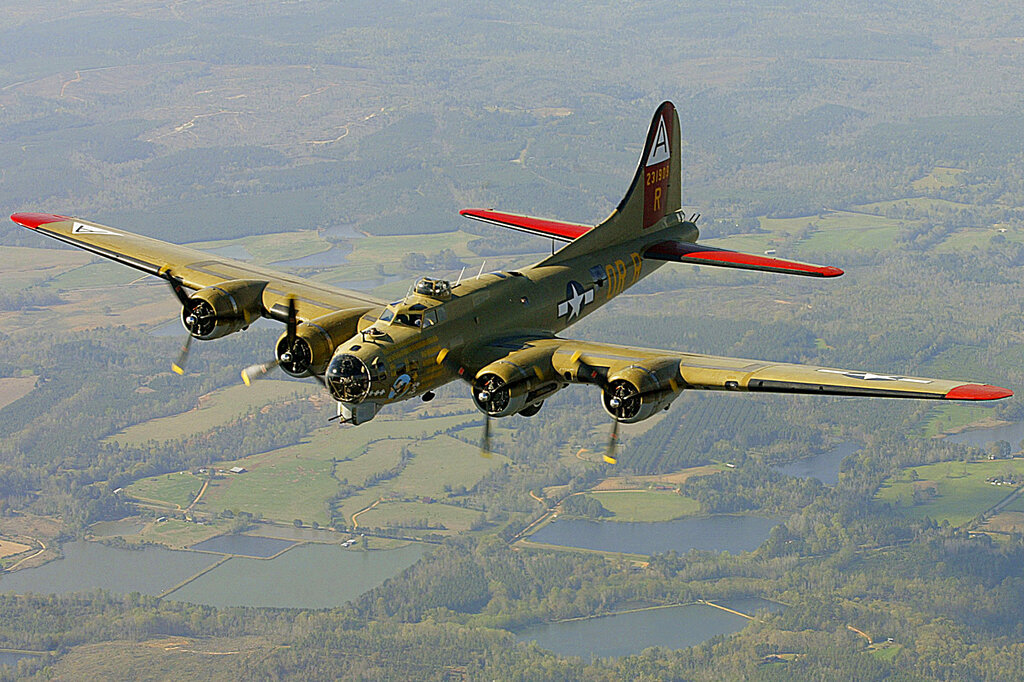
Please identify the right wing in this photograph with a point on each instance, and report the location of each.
(677, 371)
(195, 269)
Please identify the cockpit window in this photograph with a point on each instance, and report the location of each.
(387, 315)
(409, 319)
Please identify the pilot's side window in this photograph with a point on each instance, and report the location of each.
(387, 315)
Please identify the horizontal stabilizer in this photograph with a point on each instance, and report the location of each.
(688, 252)
(563, 232)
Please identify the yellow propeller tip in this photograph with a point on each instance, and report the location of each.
(610, 460)
(245, 379)
(177, 370)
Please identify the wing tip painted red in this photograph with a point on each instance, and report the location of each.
(978, 392)
(34, 220)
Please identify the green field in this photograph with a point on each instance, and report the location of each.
(220, 407)
(176, 533)
(960, 496)
(298, 481)
(176, 490)
(411, 515)
(940, 177)
(946, 417)
(646, 505)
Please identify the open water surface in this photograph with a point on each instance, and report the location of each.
(244, 545)
(311, 577)
(10, 658)
(92, 565)
(676, 627)
(824, 467)
(715, 533)
(980, 438)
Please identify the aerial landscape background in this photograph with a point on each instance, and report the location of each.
(862, 538)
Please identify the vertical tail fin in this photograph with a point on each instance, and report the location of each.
(656, 190)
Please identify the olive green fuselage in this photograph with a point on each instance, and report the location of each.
(423, 342)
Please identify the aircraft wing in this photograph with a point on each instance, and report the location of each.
(663, 371)
(194, 269)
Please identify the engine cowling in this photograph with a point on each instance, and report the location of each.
(637, 392)
(315, 342)
(516, 383)
(224, 308)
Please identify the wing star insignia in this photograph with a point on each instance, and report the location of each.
(868, 376)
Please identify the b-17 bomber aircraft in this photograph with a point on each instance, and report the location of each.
(498, 331)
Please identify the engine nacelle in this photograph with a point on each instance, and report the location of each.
(315, 342)
(635, 393)
(516, 383)
(224, 308)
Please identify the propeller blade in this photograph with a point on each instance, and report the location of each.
(178, 366)
(485, 442)
(609, 455)
(178, 290)
(254, 372)
(292, 323)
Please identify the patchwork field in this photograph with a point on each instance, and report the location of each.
(951, 491)
(217, 408)
(400, 460)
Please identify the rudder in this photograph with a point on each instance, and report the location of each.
(656, 190)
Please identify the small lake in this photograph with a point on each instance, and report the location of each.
(824, 467)
(244, 545)
(336, 255)
(715, 533)
(10, 658)
(309, 577)
(92, 565)
(675, 627)
(979, 438)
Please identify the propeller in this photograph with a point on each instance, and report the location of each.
(485, 441)
(178, 366)
(253, 372)
(619, 396)
(489, 393)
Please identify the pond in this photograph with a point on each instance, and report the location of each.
(11, 658)
(715, 533)
(244, 545)
(311, 576)
(92, 565)
(675, 627)
(979, 438)
(336, 255)
(824, 467)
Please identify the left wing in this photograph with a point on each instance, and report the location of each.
(195, 269)
(671, 371)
